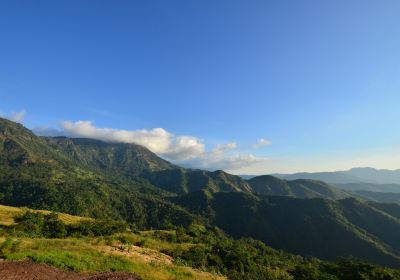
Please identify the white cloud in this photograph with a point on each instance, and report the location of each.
(188, 151)
(213, 161)
(158, 140)
(184, 148)
(219, 159)
(15, 116)
(261, 142)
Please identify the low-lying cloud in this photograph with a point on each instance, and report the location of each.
(188, 151)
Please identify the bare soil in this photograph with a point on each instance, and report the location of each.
(28, 270)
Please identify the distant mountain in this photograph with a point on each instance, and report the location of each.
(379, 196)
(387, 188)
(379, 176)
(247, 177)
(269, 185)
(354, 175)
(318, 227)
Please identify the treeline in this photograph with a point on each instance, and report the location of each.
(35, 224)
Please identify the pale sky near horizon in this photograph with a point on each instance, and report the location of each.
(251, 87)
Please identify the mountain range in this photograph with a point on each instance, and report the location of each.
(128, 182)
(354, 175)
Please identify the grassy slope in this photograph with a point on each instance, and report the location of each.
(97, 254)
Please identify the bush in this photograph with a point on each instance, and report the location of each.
(96, 228)
(37, 224)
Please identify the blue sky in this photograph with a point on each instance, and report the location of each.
(318, 79)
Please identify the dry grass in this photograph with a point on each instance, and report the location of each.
(8, 213)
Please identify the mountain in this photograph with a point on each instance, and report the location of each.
(128, 182)
(387, 188)
(34, 173)
(112, 158)
(379, 196)
(317, 227)
(354, 175)
(270, 185)
(182, 181)
(247, 177)
(379, 176)
(133, 165)
(133, 161)
(329, 177)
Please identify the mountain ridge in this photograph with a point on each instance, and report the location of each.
(129, 182)
(353, 175)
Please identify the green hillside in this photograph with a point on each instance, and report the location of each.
(34, 174)
(182, 181)
(129, 183)
(133, 162)
(269, 185)
(318, 227)
(386, 197)
(112, 158)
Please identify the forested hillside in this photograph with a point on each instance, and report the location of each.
(301, 188)
(127, 182)
(317, 227)
(33, 173)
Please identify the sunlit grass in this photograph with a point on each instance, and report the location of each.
(86, 255)
(8, 213)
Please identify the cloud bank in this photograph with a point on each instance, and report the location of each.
(188, 151)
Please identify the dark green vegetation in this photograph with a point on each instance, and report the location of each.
(251, 259)
(317, 227)
(127, 182)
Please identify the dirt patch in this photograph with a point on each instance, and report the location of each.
(28, 270)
